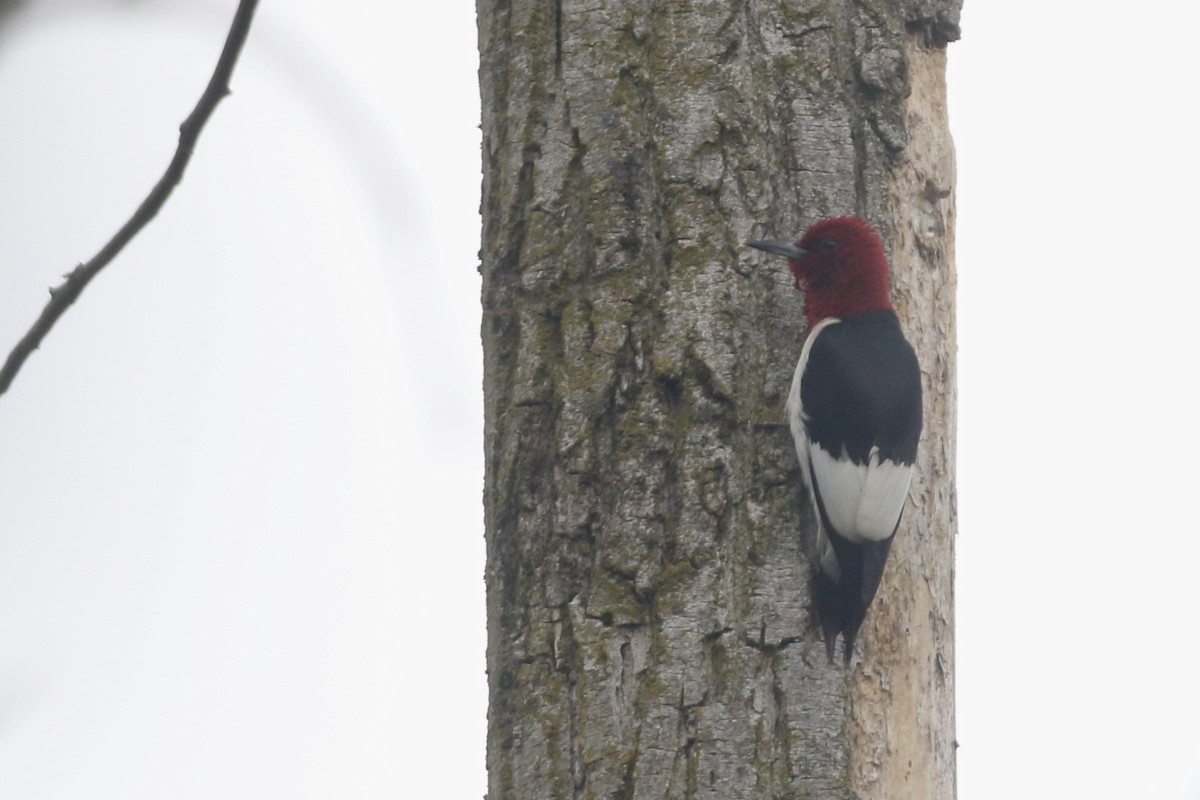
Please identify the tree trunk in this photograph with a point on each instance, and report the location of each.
(650, 633)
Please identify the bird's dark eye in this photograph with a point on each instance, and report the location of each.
(825, 245)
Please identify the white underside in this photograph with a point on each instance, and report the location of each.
(863, 501)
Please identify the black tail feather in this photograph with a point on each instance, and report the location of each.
(842, 604)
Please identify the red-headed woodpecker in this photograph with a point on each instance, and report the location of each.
(855, 414)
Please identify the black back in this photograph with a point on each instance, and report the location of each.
(865, 389)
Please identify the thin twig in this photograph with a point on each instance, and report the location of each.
(62, 296)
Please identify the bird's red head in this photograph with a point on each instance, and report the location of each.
(841, 266)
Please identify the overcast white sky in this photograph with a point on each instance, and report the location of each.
(243, 475)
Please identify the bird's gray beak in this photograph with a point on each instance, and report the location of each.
(779, 248)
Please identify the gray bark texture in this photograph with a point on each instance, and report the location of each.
(649, 543)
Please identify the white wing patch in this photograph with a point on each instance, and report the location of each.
(863, 501)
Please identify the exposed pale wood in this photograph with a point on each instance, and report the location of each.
(648, 573)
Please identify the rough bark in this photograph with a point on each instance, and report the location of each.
(648, 572)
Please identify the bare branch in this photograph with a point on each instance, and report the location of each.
(62, 296)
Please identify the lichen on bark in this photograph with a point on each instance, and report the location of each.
(648, 541)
